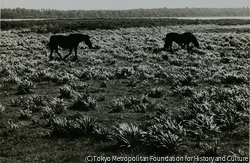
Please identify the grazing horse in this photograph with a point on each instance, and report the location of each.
(67, 42)
(182, 39)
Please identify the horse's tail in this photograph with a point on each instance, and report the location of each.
(194, 40)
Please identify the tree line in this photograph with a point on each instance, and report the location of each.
(22, 13)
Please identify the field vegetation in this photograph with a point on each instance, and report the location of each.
(22, 13)
(126, 96)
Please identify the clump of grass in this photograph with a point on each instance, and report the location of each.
(25, 87)
(81, 85)
(185, 91)
(141, 108)
(38, 100)
(25, 114)
(132, 82)
(57, 105)
(165, 134)
(117, 105)
(130, 101)
(102, 133)
(128, 135)
(156, 92)
(17, 102)
(35, 103)
(63, 78)
(103, 84)
(204, 123)
(12, 79)
(101, 97)
(124, 72)
(234, 79)
(186, 80)
(228, 118)
(48, 112)
(84, 103)
(2, 109)
(73, 126)
(240, 153)
(210, 150)
(175, 61)
(162, 139)
(12, 126)
(31, 105)
(144, 105)
(66, 91)
(165, 56)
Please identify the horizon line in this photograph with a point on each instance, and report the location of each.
(132, 9)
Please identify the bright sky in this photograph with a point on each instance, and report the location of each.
(121, 4)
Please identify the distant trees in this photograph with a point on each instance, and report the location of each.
(20, 13)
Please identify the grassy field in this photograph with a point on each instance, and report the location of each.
(125, 97)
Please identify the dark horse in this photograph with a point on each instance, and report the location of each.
(182, 39)
(67, 42)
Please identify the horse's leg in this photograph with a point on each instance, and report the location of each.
(75, 54)
(183, 45)
(188, 47)
(51, 52)
(170, 47)
(56, 50)
(70, 51)
(58, 53)
(165, 46)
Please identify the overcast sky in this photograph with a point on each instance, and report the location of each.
(120, 4)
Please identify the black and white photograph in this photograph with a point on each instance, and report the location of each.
(124, 81)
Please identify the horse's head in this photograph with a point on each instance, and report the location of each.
(87, 41)
(196, 43)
